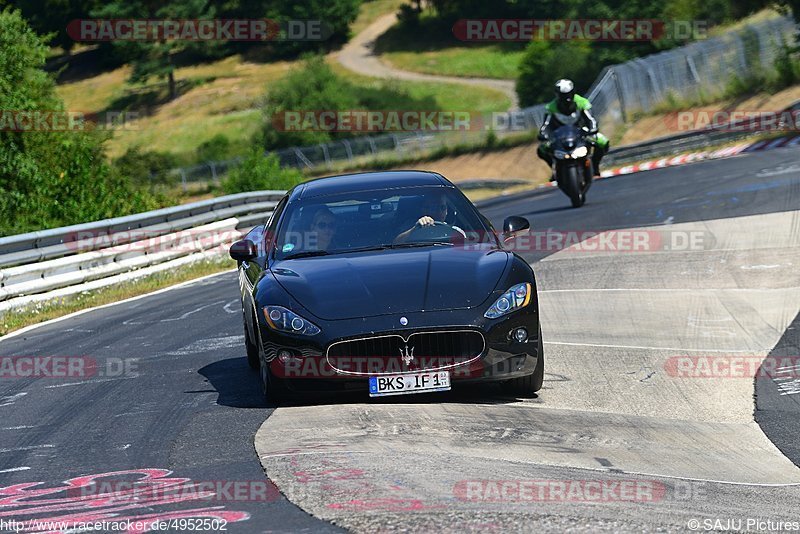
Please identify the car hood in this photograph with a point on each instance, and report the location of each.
(347, 286)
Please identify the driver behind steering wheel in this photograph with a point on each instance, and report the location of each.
(434, 209)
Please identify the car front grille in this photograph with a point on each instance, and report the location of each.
(393, 353)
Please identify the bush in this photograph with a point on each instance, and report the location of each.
(259, 172)
(215, 149)
(545, 62)
(313, 87)
(787, 68)
(50, 178)
(146, 167)
(408, 16)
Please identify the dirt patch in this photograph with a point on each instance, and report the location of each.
(666, 124)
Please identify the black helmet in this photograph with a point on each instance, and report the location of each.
(565, 96)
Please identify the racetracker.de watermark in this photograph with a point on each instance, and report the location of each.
(733, 366)
(150, 240)
(625, 30)
(737, 120)
(520, 491)
(253, 30)
(626, 241)
(15, 120)
(73, 367)
(177, 490)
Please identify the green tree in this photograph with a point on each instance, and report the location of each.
(259, 172)
(49, 178)
(52, 17)
(313, 87)
(545, 62)
(155, 58)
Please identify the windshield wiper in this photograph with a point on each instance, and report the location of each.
(397, 245)
(421, 244)
(306, 254)
(312, 253)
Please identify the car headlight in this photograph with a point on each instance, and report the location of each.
(283, 320)
(580, 152)
(514, 299)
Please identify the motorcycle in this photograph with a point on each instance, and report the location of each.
(572, 162)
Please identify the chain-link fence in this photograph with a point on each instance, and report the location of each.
(620, 91)
(702, 68)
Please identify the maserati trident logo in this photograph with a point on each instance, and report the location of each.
(407, 354)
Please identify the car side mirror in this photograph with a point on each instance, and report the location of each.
(243, 250)
(514, 226)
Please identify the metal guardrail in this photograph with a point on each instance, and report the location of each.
(57, 242)
(68, 257)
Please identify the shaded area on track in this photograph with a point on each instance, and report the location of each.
(778, 397)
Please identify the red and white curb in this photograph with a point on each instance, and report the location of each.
(769, 144)
(693, 156)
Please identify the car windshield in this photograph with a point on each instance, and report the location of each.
(367, 220)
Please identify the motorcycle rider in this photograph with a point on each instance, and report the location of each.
(570, 108)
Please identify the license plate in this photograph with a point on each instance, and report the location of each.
(380, 386)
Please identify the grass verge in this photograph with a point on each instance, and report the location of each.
(44, 311)
(428, 46)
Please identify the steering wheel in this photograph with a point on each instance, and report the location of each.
(436, 232)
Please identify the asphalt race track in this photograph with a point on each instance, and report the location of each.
(626, 406)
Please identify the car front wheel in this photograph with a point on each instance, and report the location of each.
(253, 359)
(527, 386)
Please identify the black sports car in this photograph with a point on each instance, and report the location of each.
(388, 283)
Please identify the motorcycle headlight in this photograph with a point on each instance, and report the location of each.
(283, 320)
(514, 299)
(580, 152)
(560, 154)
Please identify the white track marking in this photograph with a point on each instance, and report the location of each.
(27, 329)
(651, 348)
(8, 401)
(208, 345)
(655, 475)
(28, 448)
(310, 452)
(228, 309)
(14, 469)
(89, 382)
(669, 290)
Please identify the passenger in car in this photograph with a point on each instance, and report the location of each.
(323, 229)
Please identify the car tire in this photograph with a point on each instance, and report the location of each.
(273, 388)
(253, 359)
(527, 386)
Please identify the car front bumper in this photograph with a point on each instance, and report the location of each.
(309, 369)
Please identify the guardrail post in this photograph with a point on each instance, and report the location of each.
(183, 179)
(213, 171)
(620, 97)
(348, 149)
(693, 69)
(301, 158)
(326, 155)
(372, 147)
